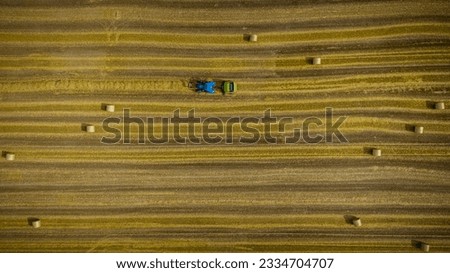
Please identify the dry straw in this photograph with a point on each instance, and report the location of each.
(10, 156)
(376, 152)
(110, 108)
(316, 60)
(424, 247)
(90, 128)
(418, 129)
(36, 223)
(357, 222)
(439, 105)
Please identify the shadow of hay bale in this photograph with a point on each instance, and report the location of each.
(250, 37)
(410, 128)
(32, 220)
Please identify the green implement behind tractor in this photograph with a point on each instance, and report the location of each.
(229, 87)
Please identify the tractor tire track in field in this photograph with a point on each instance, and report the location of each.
(384, 65)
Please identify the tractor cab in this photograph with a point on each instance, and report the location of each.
(205, 86)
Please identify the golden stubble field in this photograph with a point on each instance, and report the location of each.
(384, 66)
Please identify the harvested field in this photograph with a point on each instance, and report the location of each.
(384, 66)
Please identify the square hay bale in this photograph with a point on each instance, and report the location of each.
(36, 223)
(418, 129)
(110, 108)
(90, 128)
(10, 156)
(424, 247)
(439, 105)
(253, 38)
(357, 222)
(316, 60)
(376, 152)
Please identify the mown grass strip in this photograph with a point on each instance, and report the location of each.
(219, 64)
(224, 107)
(323, 221)
(225, 39)
(80, 86)
(146, 153)
(352, 123)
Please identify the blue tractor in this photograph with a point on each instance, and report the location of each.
(205, 86)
